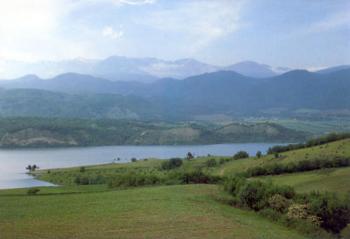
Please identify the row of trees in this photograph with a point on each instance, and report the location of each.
(312, 142)
(300, 166)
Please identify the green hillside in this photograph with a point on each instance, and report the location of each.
(334, 180)
(36, 132)
(331, 150)
(178, 201)
(159, 212)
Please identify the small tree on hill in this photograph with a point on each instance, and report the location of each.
(189, 156)
(241, 155)
(258, 154)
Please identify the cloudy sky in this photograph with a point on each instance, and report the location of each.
(295, 33)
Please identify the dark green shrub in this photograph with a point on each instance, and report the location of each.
(33, 191)
(82, 169)
(253, 195)
(171, 163)
(258, 154)
(189, 156)
(241, 155)
(198, 177)
(333, 211)
(300, 166)
(134, 180)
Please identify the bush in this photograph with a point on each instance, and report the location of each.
(258, 154)
(255, 194)
(171, 163)
(82, 169)
(33, 191)
(133, 160)
(297, 211)
(198, 176)
(134, 180)
(300, 166)
(211, 162)
(333, 211)
(252, 195)
(241, 155)
(279, 203)
(89, 179)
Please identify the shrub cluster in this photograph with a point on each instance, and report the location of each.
(312, 142)
(134, 180)
(171, 163)
(281, 202)
(300, 166)
(33, 191)
(240, 155)
(89, 180)
(197, 176)
(256, 194)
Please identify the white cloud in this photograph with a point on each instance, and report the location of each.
(339, 19)
(109, 32)
(203, 21)
(135, 2)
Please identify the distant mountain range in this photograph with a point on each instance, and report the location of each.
(118, 68)
(296, 92)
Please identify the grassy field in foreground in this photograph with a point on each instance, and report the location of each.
(189, 211)
(333, 179)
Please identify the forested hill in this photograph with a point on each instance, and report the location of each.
(294, 93)
(43, 132)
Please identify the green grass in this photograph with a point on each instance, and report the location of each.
(334, 180)
(189, 211)
(339, 148)
(181, 211)
(314, 127)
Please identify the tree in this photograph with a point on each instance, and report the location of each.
(133, 160)
(189, 156)
(258, 154)
(31, 168)
(241, 155)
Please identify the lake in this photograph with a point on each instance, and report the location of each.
(14, 161)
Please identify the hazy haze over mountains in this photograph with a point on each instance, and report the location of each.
(118, 68)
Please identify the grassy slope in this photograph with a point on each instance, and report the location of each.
(187, 211)
(335, 180)
(339, 148)
(157, 212)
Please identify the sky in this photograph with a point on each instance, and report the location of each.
(293, 33)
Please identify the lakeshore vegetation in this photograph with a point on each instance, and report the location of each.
(201, 197)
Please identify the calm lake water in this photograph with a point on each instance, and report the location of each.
(13, 162)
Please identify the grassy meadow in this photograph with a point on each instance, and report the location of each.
(159, 203)
(181, 211)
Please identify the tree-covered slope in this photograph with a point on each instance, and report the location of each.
(32, 132)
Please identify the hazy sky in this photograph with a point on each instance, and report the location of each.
(304, 33)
